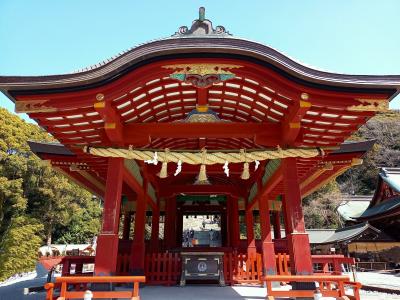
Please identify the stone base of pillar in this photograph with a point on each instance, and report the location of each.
(269, 260)
(106, 254)
(300, 253)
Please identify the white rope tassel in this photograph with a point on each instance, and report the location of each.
(246, 170)
(257, 163)
(202, 173)
(178, 168)
(226, 168)
(164, 167)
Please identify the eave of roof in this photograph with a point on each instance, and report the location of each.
(392, 177)
(49, 148)
(382, 209)
(350, 209)
(355, 146)
(200, 47)
(349, 232)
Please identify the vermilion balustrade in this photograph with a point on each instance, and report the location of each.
(165, 268)
(329, 285)
(81, 283)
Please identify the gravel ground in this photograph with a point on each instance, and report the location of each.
(388, 281)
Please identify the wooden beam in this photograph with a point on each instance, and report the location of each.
(331, 170)
(112, 123)
(167, 191)
(292, 123)
(268, 188)
(80, 180)
(202, 97)
(268, 134)
(137, 188)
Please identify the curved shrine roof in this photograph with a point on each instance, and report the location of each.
(203, 88)
(235, 79)
(386, 200)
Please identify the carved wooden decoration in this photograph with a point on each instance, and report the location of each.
(202, 75)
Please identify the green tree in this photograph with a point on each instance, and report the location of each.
(19, 246)
(385, 129)
(12, 203)
(36, 203)
(320, 208)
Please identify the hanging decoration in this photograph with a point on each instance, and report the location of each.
(257, 163)
(246, 172)
(210, 158)
(153, 161)
(178, 168)
(164, 167)
(202, 174)
(226, 168)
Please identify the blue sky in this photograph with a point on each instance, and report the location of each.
(39, 37)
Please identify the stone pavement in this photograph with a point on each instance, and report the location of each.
(202, 292)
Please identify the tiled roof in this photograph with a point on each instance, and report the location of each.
(352, 206)
(392, 177)
(381, 208)
(349, 233)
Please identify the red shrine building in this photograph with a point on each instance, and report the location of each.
(201, 123)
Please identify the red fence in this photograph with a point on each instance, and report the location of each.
(327, 264)
(239, 268)
(332, 264)
(162, 268)
(282, 264)
(165, 268)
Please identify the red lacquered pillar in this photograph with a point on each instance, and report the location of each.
(234, 220)
(155, 228)
(179, 228)
(107, 242)
(268, 251)
(138, 245)
(229, 223)
(170, 224)
(298, 242)
(277, 224)
(127, 226)
(251, 243)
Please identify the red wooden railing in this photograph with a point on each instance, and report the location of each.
(80, 285)
(327, 264)
(282, 264)
(162, 268)
(165, 268)
(329, 286)
(123, 264)
(331, 264)
(240, 268)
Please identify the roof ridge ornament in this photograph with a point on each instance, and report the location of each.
(201, 27)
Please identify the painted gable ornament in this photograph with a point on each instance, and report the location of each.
(202, 75)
